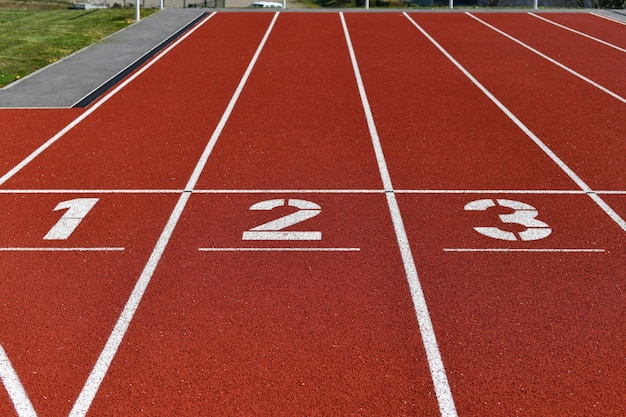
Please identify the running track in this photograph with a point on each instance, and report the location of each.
(326, 214)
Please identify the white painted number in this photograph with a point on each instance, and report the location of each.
(523, 214)
(77, 210)
(273, 230)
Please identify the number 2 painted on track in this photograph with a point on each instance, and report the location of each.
(523, 214)
(77, 210)
(273, 230)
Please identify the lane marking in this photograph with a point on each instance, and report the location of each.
(14, 387)
(88, 393)
(621, 22)
(547, 58)
(443, 392)
(583, 186)
(593, 38)
(6, 177)
(287, 249)
(524, 250)
(50, 249)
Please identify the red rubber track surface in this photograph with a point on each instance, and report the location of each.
(559, 108)
(571, 49)
(607, 30)
(21, 131)
(180, 107)
(325, 324)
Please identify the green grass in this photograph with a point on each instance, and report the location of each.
(32, 38)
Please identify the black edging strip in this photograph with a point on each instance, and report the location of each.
(98, 92)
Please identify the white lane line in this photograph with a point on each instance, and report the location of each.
(98, 104)
(443, 392)
(593, 38)
(14, 387)
(547, 58)
(564, 250)
(286, 249)
(88, 393)
(621, 22)
(583, 186)
(50, 249)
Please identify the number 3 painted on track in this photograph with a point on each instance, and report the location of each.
(523, 214)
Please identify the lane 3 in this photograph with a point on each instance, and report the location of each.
(152, 132)
(439, 131)
(590, 58)
(526, 327)
(559, 108)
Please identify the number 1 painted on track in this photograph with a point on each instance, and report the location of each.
(77, 210)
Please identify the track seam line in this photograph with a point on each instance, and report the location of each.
(90, 389)
(443, 392)
(14, 387)
(583, 186)
(593, 38)
(552, 60)
(97, 105)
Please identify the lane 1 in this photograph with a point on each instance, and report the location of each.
(232, 326)
(62, 292)
(581, 124)
(298, 123)
(438, 130)
(22, 131)
(526, 327)
(152, 132)
(585, 56)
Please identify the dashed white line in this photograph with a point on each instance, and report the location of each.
(51, 249)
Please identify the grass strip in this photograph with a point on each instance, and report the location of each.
(32, 39)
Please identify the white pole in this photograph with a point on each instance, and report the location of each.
(284, 4)
(536, 4)
(451, 4)
(137, 14)
(367, 4)
(161, 5)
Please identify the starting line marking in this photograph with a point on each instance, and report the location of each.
(523, 250)
(43, 249)
(243, 249)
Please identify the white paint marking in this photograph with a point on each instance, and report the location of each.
(77, 209)
(435, 362)
(583, 186)
(98, 104)
(50, 249)
(621, 22)
(547, 58)
(305, 191)
(88, 393)
(279, 249)
(593, 38)
(14, 387)
(524, 250)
